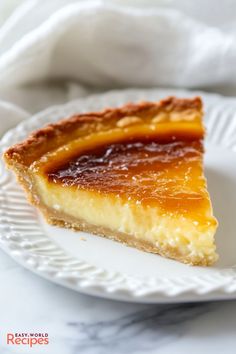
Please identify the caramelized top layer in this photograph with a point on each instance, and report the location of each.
(147, 172)
(150, 153)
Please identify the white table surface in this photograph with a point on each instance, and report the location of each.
(79, 324)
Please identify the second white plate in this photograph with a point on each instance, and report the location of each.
(98, 266)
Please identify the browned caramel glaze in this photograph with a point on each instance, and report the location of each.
(150, 172)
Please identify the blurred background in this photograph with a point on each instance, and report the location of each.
(54, 51)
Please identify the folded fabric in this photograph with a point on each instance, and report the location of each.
(110, 44)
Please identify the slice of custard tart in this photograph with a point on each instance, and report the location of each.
(133, 174)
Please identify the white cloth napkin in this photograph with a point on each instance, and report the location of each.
(65, 48)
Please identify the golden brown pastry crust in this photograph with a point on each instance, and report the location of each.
(54, 135)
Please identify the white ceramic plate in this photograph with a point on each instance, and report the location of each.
(94, 265)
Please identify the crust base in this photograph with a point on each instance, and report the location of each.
(62, 220)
